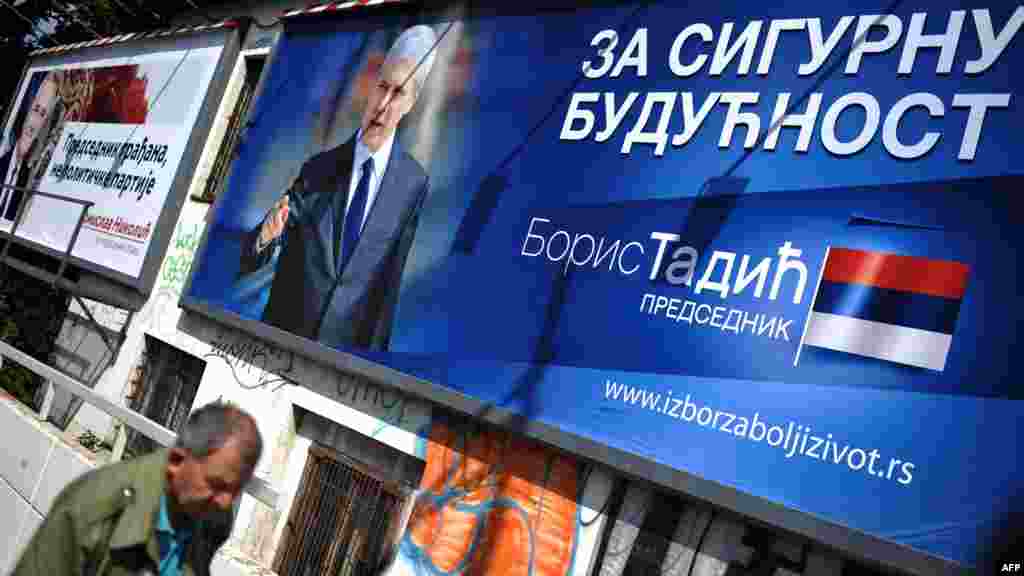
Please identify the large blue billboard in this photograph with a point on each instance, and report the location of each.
(774, 247)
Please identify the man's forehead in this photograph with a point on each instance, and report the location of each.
(227, 452)
(229, 458)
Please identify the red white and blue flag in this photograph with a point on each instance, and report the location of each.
(887, 306)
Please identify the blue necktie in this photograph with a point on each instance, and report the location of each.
(354, 217)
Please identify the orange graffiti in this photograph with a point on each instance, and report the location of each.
(495, 505)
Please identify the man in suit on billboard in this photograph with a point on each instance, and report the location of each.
(20, 151)
(345, 226)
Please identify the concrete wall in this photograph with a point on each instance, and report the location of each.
(33, 470)
(272, 384)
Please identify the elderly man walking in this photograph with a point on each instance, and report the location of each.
(163, 514)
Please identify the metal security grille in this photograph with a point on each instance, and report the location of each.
(163, 390)
(229, 147)
(339, 520)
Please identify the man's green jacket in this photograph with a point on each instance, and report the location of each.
(104, 524)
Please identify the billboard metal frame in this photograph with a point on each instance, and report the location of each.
(840, 538)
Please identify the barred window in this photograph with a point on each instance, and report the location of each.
(228, 147)
(162, 388)
(340, 519)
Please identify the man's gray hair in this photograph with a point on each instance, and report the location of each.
(210, 427)
(415, 44)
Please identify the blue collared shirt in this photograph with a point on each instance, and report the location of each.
(172, 542)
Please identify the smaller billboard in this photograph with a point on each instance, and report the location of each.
(109, 131)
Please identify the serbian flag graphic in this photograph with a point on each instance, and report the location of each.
(891, 307)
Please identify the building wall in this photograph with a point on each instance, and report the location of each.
(158, 318)
(712, 542)
(32, 472)
(273, 384)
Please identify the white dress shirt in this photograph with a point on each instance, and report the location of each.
(380, 166)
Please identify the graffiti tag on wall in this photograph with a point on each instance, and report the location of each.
(492, 504)
(180, 253)
(253, 364)
(157, 315)
(386, 404)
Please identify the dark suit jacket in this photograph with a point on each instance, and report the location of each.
(310, 296)
(19, 181)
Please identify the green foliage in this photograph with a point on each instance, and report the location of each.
(31, 314)
(8, 329)
(19, 382)
(16, 380)
(92, 442)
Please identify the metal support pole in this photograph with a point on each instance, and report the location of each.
(100, 330)
(71, 243)
(86, 204)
